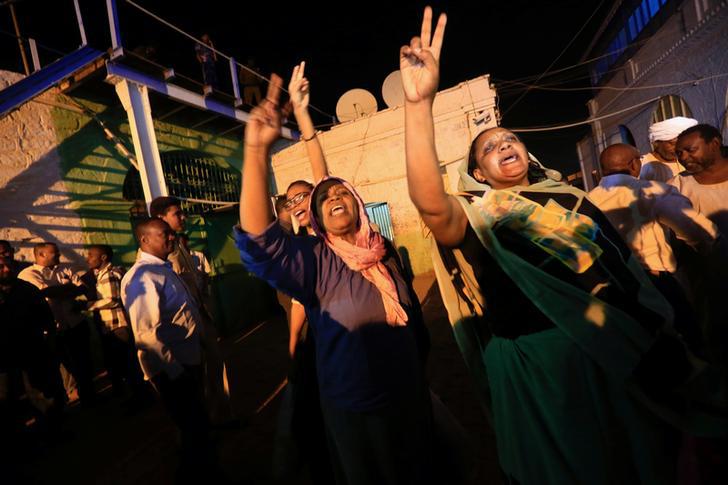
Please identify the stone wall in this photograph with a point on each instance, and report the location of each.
(35, 204)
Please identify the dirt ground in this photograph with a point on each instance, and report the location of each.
(107, 445)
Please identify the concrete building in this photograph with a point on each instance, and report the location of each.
(652, 60)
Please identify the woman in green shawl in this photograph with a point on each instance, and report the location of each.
(572, 346)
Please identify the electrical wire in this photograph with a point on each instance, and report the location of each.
(628, 88)
(26, 39)
(583, 122)
(664, 32)
(221, 54)
(557, 57)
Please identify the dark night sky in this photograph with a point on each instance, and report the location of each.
(508, 39)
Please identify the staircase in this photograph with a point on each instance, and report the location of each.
(31, 86)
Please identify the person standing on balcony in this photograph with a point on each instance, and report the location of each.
(207, 58)
(250, 81)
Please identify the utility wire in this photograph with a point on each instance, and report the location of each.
(655, 37)
(584, 122)
(509, 87)
(557, 57)
(627, 88)
(26, 39)
(221, 54)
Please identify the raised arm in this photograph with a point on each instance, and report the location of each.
(419, 63)
(299, 90)
(263, 128)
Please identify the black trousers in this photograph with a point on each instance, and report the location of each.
(685, 320)
(121, 360)
(182, 399)
(309, 429)
(73, 349)
(393, 445)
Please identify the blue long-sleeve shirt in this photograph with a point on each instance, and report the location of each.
(362, 362)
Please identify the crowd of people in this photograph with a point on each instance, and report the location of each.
(592, 323)
(154, 324)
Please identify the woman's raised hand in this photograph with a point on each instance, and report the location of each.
(419, 62)
(264, 125)
(298, 87)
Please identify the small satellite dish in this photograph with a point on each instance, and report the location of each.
(392, 89)
(354, 104)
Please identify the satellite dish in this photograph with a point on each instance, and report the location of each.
(354, 104)
(392, 89)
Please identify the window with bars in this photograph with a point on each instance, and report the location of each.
(195, 178)
(670, 106)
(378, 213)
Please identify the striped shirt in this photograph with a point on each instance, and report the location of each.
(108, 304)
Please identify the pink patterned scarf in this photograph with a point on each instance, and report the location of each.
(364, 256)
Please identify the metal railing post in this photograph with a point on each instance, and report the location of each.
(79, 19)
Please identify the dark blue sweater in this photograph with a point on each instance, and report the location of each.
(362, 362)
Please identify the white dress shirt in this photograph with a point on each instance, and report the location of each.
(163, 316)
(64, 313)
(639, 209)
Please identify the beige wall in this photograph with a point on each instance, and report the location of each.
(34, 201)
(369, 152)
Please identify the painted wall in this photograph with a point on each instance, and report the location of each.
(35, 204)
(369, 152)
(61, 180)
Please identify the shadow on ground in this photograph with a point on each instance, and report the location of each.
(106, 445)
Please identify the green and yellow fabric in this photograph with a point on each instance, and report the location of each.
(600, 397)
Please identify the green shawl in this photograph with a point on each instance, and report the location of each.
(615, 340)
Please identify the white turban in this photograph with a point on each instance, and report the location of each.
(670, 129)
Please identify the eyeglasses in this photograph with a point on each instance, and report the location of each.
(295, 200)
